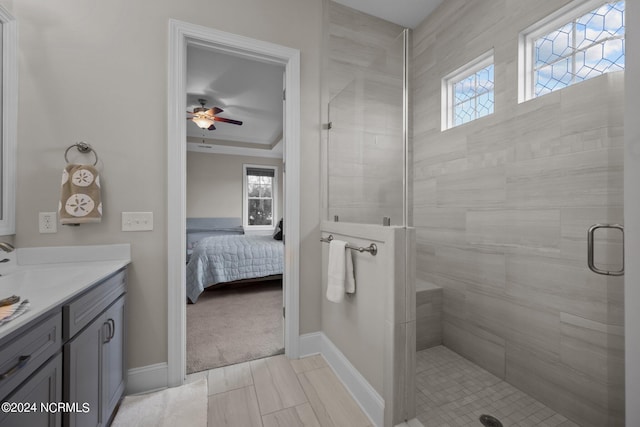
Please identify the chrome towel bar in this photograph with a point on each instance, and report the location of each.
(372, 248)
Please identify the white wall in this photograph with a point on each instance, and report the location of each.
(97, 71)
(214, 184)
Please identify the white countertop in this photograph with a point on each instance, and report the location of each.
(63, 273)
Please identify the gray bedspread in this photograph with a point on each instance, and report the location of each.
(220, 259)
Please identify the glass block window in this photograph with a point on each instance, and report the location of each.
(573, 45)
(468, 93)
(260, 183)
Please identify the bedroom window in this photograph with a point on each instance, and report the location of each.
(260, 184)
(578, 42)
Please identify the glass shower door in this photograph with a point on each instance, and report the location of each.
(365, 146)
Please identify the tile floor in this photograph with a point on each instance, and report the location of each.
(278, 392)
(453, 391)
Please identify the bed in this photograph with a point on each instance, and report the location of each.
(200, 228)
(222, 258)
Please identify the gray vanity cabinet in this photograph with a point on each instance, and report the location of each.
(113, 367)
(31, 373)
(71, 355)
(45, 386)
(83, 362)
(94, 356)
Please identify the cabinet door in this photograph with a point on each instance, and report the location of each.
(83, 367)
(113, 365)
(45, 386)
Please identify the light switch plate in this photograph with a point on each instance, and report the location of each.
(47, 222)
(137, 221)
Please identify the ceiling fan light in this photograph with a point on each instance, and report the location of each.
(202, 122)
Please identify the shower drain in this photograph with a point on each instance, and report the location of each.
(489, 421)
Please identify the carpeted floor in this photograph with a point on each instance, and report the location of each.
(234, 324)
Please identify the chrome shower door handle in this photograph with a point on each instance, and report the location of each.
(590, 250)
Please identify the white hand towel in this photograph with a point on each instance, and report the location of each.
(340, 278)
(350, 277)
(337, 270)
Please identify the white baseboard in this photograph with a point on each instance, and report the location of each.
(310, 344)
(147, 378)
(362, 392)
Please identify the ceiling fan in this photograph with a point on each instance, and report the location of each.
(204, 117)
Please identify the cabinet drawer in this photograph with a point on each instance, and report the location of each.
(81, 311)
(45, 386)
(20, 357)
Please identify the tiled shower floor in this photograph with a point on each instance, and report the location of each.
(453, 391)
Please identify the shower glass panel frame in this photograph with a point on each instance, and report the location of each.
(368, 153)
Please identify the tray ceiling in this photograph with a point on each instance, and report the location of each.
(247, 90)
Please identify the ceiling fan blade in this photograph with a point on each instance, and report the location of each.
(222, 119)
(215, 110)
(212, 127)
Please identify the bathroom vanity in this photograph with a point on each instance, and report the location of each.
(62, 363)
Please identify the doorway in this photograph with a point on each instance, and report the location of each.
(183, 35)
(234, 204)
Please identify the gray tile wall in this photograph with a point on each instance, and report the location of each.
(502, 206)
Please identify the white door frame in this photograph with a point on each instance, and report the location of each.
(180, 35)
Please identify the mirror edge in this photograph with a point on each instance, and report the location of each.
(9, 120)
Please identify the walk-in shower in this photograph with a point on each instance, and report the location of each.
(519, 330)
(503, 205)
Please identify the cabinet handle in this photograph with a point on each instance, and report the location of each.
(22, 361)
(113, 328)
(108, 337)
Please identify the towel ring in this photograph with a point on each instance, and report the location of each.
(82, 147)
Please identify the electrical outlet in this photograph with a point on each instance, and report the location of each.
(47, 222)
(137, 221)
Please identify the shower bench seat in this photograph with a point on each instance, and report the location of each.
(428, 315)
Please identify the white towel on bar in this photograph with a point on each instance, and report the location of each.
(340, 277)
(350, 276)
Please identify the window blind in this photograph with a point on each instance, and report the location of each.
(260, 172)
